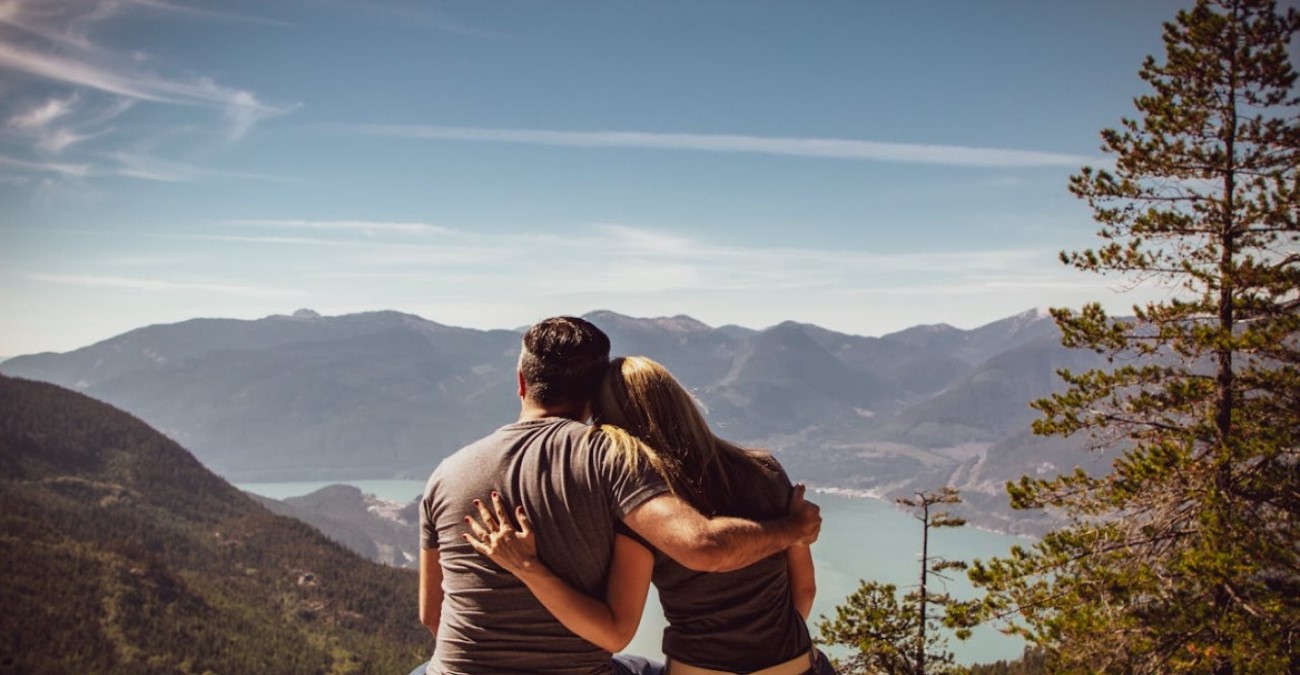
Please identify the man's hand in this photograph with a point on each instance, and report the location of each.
(806, 515)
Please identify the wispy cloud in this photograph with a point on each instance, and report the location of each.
(628, 259)
(49, 41)
(831, 148)
(166, 286)
(242, 108)
(50, 21)
(374, 254)
(39, 124)
(641, 239)
(146, 167)
(40, 116)
(463, 276)
(60, 168)
(427, 15)
(132, 166)
(68, 23)
(366, 227)
(203, 13)
(58, 140)
(271, 241)
(988, 286)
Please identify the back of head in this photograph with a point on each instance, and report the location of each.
(563, 360)
(642, 397)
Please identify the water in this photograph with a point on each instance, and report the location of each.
(860, 539)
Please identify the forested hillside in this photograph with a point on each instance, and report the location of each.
(120, 553)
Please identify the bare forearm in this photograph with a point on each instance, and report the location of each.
(804, 608)
(431, 618)
(608, 623)
(727, 544)
(430, 604)
(803, 579)
(720, 544)
(803, 591)
(588, 618)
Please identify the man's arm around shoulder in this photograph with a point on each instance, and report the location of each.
(721, 544)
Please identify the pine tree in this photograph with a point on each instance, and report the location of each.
(900, 635)
(1185, 558)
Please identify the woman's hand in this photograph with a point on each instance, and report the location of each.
(609, 623)
(497, 538)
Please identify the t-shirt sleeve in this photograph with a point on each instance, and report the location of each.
(629, 487)
(767, 495)
(782, 480)
(778, 480)
(429, 516)
(621, 528)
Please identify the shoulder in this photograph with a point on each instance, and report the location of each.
(452, 463)
(583, 443)
(549, 431)
(465, 460)
(764, 488)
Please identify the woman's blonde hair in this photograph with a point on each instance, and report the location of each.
(648, 416)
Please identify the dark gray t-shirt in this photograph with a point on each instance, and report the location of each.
(557, 470)
(735, 621)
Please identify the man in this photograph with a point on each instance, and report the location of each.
(483, 618)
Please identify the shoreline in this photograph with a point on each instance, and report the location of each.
(854, 493)
(360, 483)
(878, 495)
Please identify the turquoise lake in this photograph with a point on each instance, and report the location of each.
(860, 539)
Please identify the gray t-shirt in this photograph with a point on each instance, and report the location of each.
(735, 621)
(557, 470)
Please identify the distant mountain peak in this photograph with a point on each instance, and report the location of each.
(606, 314)
(305, 313)
(679, 323)
(682, 323)
(1029, 316)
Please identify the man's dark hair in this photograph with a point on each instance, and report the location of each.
(563, 361)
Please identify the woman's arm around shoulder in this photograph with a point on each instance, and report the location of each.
(610, 624)
(803, 578)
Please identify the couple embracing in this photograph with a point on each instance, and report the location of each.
(539, 541)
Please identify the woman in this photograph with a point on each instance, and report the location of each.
(749, 620)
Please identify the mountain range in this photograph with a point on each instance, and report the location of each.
(387, 394)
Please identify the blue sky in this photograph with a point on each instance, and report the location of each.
(865, 166)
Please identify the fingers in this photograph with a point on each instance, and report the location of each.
(496, 527)
(489, 521)
(525, 525)
(814, 520)
(479, 533)
(500, 509)
(807, 514)
(478, 545)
